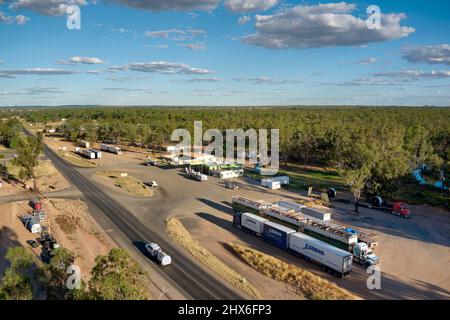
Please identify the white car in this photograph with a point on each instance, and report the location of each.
(151, 184)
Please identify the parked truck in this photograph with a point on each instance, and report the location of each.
(154, 250)
(397, 208)
(110, 149)
(332, 259)
(363, 255)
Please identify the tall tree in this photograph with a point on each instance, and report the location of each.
(117, 277)
(17, 283)
(28, 149)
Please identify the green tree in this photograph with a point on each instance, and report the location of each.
(17, 283)
(28, 149)
(117, 277)
(55, 276)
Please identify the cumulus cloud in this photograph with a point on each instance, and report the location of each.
(4, 18)
(176, 5)
(21, 19)
(439, 54)
(249, 5)
(81, 60)
(160, 67)
(322, 25)
(46, 7)
(244, 19)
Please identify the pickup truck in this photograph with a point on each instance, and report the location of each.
(154, 250)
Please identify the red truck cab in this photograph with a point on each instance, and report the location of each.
(401, 209)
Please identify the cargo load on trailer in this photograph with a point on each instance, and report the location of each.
(243, 204)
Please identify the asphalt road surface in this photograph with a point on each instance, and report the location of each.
(191, 278)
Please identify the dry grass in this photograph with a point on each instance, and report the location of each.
(44, 169)
(306, 284)
(129, 184)
(76, 160)
(184, 238)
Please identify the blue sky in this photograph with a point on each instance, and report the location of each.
(224, 52)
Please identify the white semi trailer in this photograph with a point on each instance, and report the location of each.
(253, 222)
(334, 259)
(111, 149)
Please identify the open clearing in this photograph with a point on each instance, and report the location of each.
(47, 179)
(182, 236)
(69, 222)
(128, 184)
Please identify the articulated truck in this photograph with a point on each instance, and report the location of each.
(330, 233)
(330, 258)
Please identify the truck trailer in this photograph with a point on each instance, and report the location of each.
(335, 260)
(332, 259)
(110, 149)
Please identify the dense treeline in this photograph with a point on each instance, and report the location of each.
(115, 276)
(372, 147)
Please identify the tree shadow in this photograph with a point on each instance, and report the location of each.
(9, 239)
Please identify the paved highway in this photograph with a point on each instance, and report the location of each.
(186, 274)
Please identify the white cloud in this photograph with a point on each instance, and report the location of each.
(322, 25)
(268, 80)
(46, 7)
(439, 54)
(244, 19)
(176, 34)
(412, 75)
(249, 5)
(4, 18)
(212, 79)
(177, 5)
(160, 67)
(193, 46)
(368, 61)
(35, 71)
(21, 19)
(81, 60)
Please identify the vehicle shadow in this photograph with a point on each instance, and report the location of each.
(217, 206)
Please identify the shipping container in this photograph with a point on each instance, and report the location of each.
(334, 259)
(277, 234)
(316, 213)
(253, 222)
